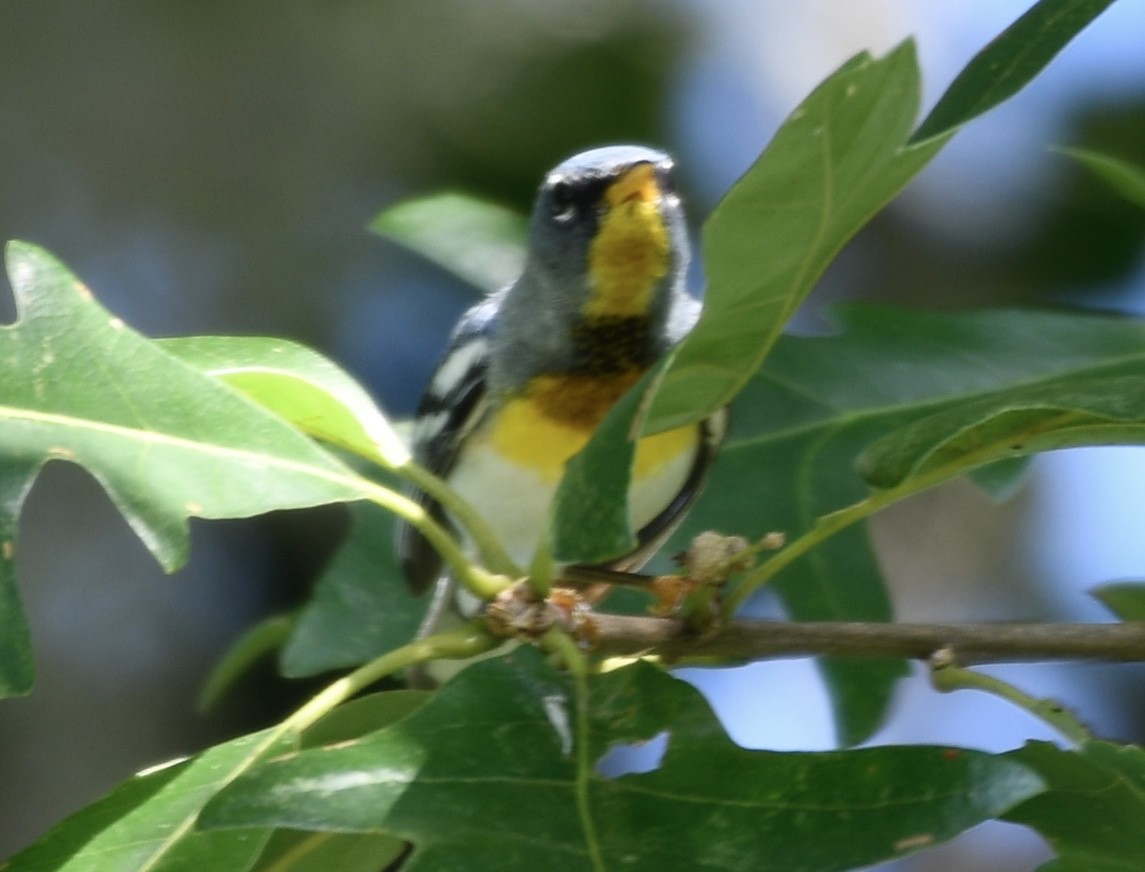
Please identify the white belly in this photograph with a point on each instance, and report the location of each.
(515, 501)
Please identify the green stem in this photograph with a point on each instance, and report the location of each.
(824, 528)
(947, 676)
(827, 526)
(563, 645)
(482, 583)
(479, 532)
(542, 568)
(459, 644)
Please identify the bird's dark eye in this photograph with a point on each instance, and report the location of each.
(563, 202)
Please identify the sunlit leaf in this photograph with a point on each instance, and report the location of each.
(166, 441)
(835, 162)
(300, 385)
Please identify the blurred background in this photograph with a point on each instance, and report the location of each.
(210, 168)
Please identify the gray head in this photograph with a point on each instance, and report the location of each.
(607, 239)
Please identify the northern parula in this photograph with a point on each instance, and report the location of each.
(531, 371)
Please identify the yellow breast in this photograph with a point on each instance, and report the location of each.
(554, 418)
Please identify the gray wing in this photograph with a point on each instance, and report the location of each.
(450, 408)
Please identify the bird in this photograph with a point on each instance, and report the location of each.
(531, 370)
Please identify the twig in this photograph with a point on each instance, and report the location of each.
(972, 643)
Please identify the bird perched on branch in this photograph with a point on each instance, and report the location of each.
(532, 370)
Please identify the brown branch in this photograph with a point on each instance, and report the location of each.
(971, 643)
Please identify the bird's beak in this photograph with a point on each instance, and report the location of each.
(636, 185)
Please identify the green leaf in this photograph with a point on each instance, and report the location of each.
(258, 641)
(1068, 413)
(819, 401)
(1125, 178)
(479, 242)
(1126, 599)
(300, 385)
(1093, 810)
(165, 441)
(293, 851)
(1009, 62)
(148, 823)
(360, 607)
(489, 774)
(836, 161)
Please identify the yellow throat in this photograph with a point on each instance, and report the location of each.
(630, 252)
